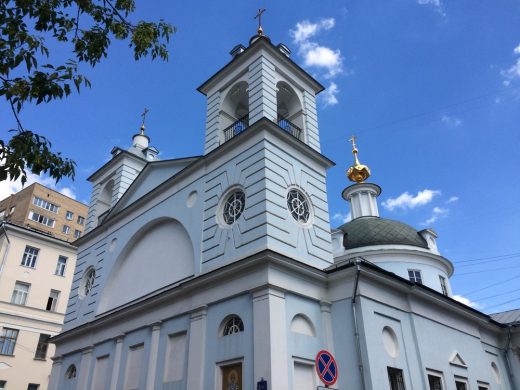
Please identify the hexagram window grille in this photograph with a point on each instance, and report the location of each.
(89, 282)
(298, 206)
(232, 326)
(233, 207)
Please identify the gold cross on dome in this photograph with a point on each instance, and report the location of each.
(259, 17)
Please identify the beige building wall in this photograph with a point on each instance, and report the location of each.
(17, 209)
(34, 317)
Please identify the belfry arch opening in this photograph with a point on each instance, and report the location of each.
(234, 113)
(105, 200)
(289, 110)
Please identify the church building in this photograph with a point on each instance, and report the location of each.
(222, 271)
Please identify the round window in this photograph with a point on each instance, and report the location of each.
(233, 207)
(298, 206)
(87, 282)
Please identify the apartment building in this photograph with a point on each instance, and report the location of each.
(36, 272)
(45, 210)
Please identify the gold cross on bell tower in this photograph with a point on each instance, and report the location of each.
(143, 115)
(259, 17)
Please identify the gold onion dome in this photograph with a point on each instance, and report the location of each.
(358, 172)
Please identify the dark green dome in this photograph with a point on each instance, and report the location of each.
(367, 231)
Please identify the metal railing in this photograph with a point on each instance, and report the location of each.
(286, 125)
(243, 123)
(236, 128)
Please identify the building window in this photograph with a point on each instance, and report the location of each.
(233, 207)
(459, 385)
(65, 229)
(41, 348)
(45, 205)
(395, 377)
(8, 341)
(60, 266)
(71, 372)
(444, 286)
(435, 382)
(2, 385)
(81, 220)
(415, 275)
(29, 256)
(41, 219)
(233, 325)
(52, 301)
(298, 206)
(12, 209)
(77, 233)
(33, 386)
(20, 292)
(69, 215)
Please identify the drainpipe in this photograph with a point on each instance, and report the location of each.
(4, 257)
(356, 327)
(506, 355)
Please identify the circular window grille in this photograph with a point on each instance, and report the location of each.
(233, 325)
(88, 281)
(233, 207)
(298, 206)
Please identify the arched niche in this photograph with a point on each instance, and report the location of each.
(235, 106)
(159, 254)
(303, 325)
(289, 107)
(104, 200)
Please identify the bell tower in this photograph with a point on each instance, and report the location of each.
(268, 191)
(261, 81)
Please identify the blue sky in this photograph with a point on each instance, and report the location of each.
(431, 88)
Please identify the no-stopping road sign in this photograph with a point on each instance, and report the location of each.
(326, 367)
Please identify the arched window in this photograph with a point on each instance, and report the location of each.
(232, 325)
(234, 113)
(289, 110)
(71, 372)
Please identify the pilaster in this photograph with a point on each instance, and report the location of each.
(57, 365)
(197, 348)
(311, 121)
(152, 358)
(270, 338)
(262, 90)
(326, 322)
(84, 368)
(212, 139)
(117, 362)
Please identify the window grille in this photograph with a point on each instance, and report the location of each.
(233, 207)
(233, 325)
(434, 382)
(395, 376)
(298, 206)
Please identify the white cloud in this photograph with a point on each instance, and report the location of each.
(10, 187)
(437, 213)
(513, 72)
(452, 199)
(330, 94)
(466, 301)
(305, 29)
(408, 201)
(343, 218)
(451, 121)
(326, 60)
(436, 4)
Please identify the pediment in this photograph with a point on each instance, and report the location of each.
(457, 360)
(153, 175)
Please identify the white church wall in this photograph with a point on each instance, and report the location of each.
(265, 171)
(104, 248)
(238, 347)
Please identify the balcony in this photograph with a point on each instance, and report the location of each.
(243, 123)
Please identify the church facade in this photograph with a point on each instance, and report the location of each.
(222, 271)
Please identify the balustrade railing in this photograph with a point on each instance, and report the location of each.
(236, 128)
(243, 123)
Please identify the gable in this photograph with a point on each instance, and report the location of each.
(152, 176)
